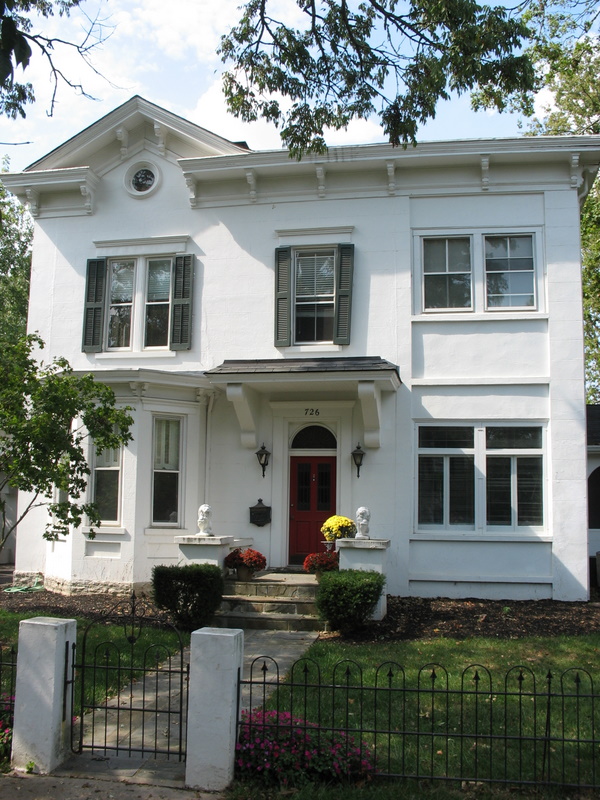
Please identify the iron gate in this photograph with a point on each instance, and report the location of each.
(129, 693)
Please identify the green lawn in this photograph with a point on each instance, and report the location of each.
(442, 704)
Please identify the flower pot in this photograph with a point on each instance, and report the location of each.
(329, 546)
(244, 573)
(318, 575)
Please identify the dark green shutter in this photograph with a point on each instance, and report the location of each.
(181, 312)
(283, 296)
(343, 295)
(93, 314)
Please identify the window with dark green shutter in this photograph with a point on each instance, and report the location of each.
(313, 294)
(114, 287)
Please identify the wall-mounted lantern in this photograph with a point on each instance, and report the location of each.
(357, 456)
(263, 458)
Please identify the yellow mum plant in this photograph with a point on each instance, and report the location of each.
(337, 527)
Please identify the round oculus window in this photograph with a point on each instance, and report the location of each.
(143, 180)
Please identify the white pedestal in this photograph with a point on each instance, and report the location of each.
(204, 549)
(368, 555)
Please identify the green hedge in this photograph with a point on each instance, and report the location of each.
(191, 593)
(347, 599)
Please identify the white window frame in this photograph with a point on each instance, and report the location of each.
(116, 468)
(139, 303)
(480, 454)
(478, 237)
(532, 272)
(425, 275)
(179, 471)
(323, 301)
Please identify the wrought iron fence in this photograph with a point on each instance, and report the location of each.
(8, 679)
(512, 728)
(129, 694)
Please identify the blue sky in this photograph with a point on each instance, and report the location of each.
(172, 62)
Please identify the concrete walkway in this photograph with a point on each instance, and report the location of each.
(282, 646)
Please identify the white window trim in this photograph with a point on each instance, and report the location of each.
(159, 414)
(478, 275)
(480, 529)
(138, 305)
(112, 523)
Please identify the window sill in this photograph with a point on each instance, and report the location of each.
(102, 530)
(174, 531)
(313, 348)
(472, 536)
(470, 316)
(135, 355)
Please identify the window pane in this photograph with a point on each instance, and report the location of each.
(166, 444)
(166, 497)
(431, 490)
(521, 247)
(462, 490)
(121, 281)
(315, 274)
(119, 326)
(159, 280)
(446, 436)
(324, 487)
(157, 325)
(498, 493)
(459, 255)
(434, 255)
(512, 438)
(314, 322)
(303, 487)
(496, 247)
(106, 493)
(529, 491)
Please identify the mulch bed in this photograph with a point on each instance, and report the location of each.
(408, 618)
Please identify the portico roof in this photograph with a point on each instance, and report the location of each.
(361, 377)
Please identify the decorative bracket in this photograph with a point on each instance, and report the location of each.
(192, 186)
(122, 135)
(485, 173)
(246, 408)
(575, 173)
(369, 395)
(161, 135)
(251, 178)
(88, 198)
(321, 181)
(391, 173)
(33, 198)
(138, 389)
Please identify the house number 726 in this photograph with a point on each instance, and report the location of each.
(311, 412)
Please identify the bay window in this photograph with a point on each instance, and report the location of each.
(106, 484)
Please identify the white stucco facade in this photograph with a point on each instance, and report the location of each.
(407, 375)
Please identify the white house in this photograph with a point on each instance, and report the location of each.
(423, 303)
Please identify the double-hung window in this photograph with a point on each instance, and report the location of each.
(481, 272)
(138, 303)
(447, 272)
(509, 459)
(107, 483)
(313, 295)
(509, 272)
(166, 473)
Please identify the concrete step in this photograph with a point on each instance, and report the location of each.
(270, 601)
(270, 605)
(258, 621)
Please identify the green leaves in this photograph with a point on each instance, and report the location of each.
(47, 415)
(380, 57)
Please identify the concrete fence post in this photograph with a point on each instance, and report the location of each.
(216, 661)
(42, 724)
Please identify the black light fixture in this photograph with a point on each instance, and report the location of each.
(263, 458)
(357, 456)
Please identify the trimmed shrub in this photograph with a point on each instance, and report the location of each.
(190, 593)
(347, 599)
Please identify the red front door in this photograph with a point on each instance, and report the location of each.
(312, 501)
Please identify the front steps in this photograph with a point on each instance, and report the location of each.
(270, 601)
